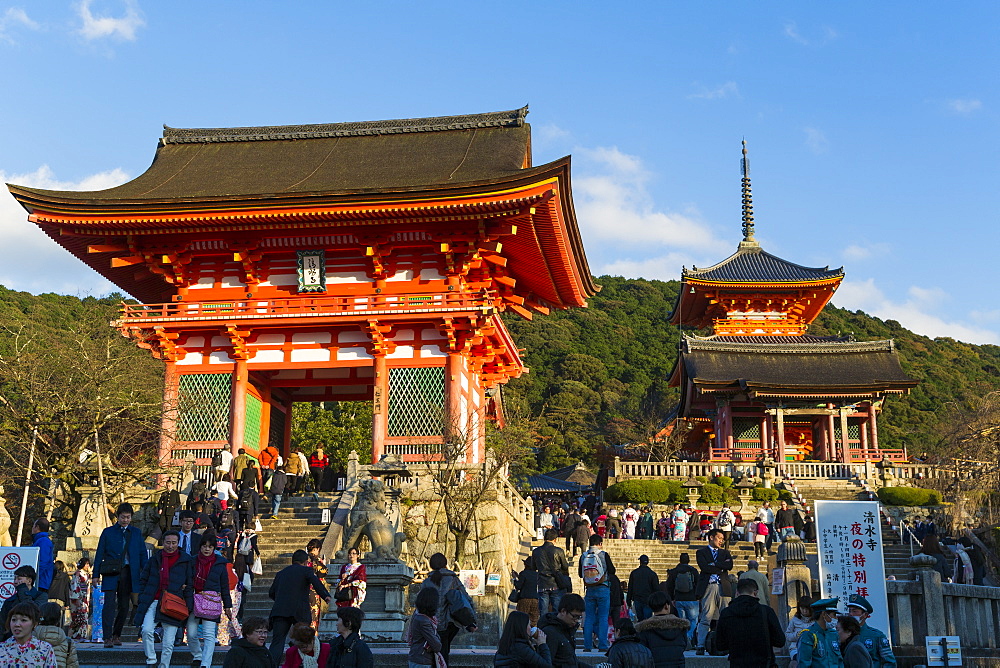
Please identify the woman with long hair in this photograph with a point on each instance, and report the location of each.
(353, 581)
(318, 564)
(852, 649)
(526, 586)
(522, 645)
(211, 597)
(79, 600)
(422, 634)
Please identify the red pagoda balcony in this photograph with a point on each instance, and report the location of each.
(304, 308)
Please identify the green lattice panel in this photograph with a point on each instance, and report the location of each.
(251, 426)
(203, 407)
(746, 429)
(416, 401)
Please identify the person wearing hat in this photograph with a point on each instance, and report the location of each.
(875, 642)
(819, 645)
(642, 582)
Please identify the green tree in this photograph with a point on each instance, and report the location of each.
(341, 426)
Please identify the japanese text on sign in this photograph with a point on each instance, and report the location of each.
(12, 558)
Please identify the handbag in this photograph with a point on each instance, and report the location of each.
(111, 567)
(514, 596)
(207, 605)
(343, 594)
(173, 606)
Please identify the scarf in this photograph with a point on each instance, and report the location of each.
(166, 563)
(311, 661)
(203, 566)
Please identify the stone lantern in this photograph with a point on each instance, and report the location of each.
(693, 488)
(885, 471)
(744, 488)
(767, 467)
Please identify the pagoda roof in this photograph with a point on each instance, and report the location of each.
(374, 156)
(752, 264)
(786, 368)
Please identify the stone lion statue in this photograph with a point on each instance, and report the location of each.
(5, 522)
(368, 518)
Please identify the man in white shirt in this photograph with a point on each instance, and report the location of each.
(766, 515)
(225, 462)
(190, 542)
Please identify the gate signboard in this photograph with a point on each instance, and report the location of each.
(12, 558)
(850, 555)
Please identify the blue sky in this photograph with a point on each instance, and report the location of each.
(872, 127)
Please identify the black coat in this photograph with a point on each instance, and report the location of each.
(549, 560)
(672, 592)
(217, 580)
(22, 594)
(641, 583)
(628, 652)
(522, 655)
(721, 566)
(666, 638)
(527, 584)
(180, 583)
(290, 592)
(244, 654)
(350, 652)
(749, 631)
(560, 639)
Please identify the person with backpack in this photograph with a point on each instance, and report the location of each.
(725, 523)
(748, 630)
(682, 583)
(641, 583)
(249, 504)
(664, 634)
(455, 609)
(596, 569)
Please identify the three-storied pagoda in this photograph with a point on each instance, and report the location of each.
(348, 261)
(759, 385)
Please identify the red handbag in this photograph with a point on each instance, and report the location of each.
(173, 606)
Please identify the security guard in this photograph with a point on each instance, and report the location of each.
(874, 640)
(819, 645)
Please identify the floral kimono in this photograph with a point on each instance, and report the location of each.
(357, 575)
(79, 604)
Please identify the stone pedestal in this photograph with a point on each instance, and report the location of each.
(385, 602)
(91, 519)
(798, 578)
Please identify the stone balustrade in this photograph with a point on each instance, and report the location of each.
(867, 470)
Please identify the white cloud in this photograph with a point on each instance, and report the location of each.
(965, 105)
(826, 35)
(728, 89)
(916, 313)
(615, 209)
(816, 140)
(29, 259)
(856, 253)
(14, 16)
(124, 27)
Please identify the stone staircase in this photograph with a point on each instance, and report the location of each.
(831, 490)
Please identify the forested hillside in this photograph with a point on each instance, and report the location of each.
(598, 375)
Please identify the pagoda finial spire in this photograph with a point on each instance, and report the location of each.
(748, 238)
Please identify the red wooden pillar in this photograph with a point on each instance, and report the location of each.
(454, 426)
(874, 427)
(831, 439)
(286, 438)
(168, 420)
(380, 407)
(238, 406)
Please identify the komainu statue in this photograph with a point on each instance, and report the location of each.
(5, 522)
(368, 518)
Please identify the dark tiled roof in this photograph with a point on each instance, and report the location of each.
(750, 264)
(576, 473)
(775, 339)
(863, 365)
(224, 163)
(544, 483)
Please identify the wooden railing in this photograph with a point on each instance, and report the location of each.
(299, 307)
(814, 470)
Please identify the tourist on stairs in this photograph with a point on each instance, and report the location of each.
(306, 651)
(49, 630)
(664, 634)
(627, 651)
(714, 587)
(522, 645)
(211, 597)
(250, 651)
(167, 571)
(787, 522)
(596, 569)
(641, 583)
(348, 650)
(553, 573)
(526, 586)
(422, 635)
(119, 561)
(749, 630)
(290, 593)
(682, 586)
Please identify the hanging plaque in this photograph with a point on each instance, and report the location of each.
(312, 271)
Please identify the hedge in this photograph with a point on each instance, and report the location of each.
(909, 496)
(723, 481)
(646, 491)
(764, 494)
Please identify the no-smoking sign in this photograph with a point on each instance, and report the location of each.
(12, 558)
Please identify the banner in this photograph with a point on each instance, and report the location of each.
(12, 558)
(849, 538)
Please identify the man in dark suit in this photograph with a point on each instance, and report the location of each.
(290, 593)
(190, 541)
(714, 588)
(122, 555)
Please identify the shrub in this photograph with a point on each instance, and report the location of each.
(785, 495)
(764, 494)
(645, 491)
(712, 493)
(723, 481)
(700, 478)
(909, 496)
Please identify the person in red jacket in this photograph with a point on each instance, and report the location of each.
(268, 461)
(318, 461)
(305, 643)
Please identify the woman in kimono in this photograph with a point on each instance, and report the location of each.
(353, 578)
(79, 600)
(680, 521)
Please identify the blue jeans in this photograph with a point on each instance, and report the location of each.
(688, 610)
(550, 597)
(275, 503)
(598, 605)
(641, 611)
(786, 532)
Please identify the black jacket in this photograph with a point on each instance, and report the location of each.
(672, 583)
(278, 481)
(180, 583)
(527, 584)
(560, 639)
(290, 592)
(522, 654)
(641, 583)
(787, 518)
(666, 638)
(349, 652)
(549, 560)
(749, 631)
(195, 544)
(22, 594)
(628, 652)
(721, 566)
(244, 654)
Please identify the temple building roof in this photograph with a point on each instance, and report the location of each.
(752, 264)
(785, 368)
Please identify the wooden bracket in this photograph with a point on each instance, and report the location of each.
(238, 338)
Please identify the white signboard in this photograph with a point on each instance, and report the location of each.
(849, 539)
(474, 581)
(777, 581)
(12, 558)
(935, 650)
